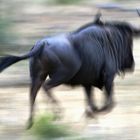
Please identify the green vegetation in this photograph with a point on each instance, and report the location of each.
(5, 31)
(7, 35)
(46, 128)
(65, 2)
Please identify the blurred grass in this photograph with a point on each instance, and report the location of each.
(46, 128)
(6, 35)
(65, 2)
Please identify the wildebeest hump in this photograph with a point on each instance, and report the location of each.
(90, 51)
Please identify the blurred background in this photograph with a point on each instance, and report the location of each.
(22, 23)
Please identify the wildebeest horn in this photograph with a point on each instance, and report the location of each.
(118, 7)
(138, 11)
(97, 16)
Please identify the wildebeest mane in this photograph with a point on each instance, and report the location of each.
(114, 42)
(122, 26)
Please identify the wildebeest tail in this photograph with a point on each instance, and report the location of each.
(8, 60)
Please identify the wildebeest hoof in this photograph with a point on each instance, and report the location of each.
(29, 125)
(95, 109)
(107, 108)
(89, 112)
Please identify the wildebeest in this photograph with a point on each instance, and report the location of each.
(90, 57)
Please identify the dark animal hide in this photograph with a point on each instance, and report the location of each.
(89, 56)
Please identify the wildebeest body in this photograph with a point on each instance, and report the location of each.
(91, 56)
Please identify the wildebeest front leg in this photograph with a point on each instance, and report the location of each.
(91, 108)
(109, 102)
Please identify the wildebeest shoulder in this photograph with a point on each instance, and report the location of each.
(103, 51)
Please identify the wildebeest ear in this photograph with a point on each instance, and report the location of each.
(47, 43)
(98, 16)
(97, 19)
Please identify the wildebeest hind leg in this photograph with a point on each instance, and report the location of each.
(37, 79)
(61, 76)
(50, 95)
(91, 108)
(35, 86)
(56, 106)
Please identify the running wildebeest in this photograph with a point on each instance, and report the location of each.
(90, 57)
